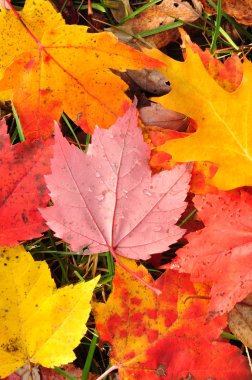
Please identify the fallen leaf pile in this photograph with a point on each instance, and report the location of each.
(131, 194)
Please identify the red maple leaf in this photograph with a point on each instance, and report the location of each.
(221, 252)
(23, 189)
(108, 199)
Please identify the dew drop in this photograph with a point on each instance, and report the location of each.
(157, 228)
(175, 266)
(97, 174)
(147, 192)
(89, 190)
(100, 197)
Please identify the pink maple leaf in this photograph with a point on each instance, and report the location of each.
(107, 199)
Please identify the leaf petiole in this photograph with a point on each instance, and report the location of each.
(114, 254)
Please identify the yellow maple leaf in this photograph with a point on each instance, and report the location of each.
(38, 323)
(224, 119)
(47, 67)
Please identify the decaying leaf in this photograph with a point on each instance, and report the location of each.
(158, 116)
(39, 323)
(240, 321)
(151, 81)
(37, 372)
(224, 135)
(240, 10)
(163, 14)
(48, 67)
(22, 189)
(165, 337)
(108, 199)
(221, 252)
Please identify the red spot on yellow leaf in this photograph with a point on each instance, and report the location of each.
(136, 301)
(30, 64)
(47, 58)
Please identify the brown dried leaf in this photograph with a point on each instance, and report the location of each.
(240, 10)
(164, 13)
(151, 81)
(240, 321)
(156, 115)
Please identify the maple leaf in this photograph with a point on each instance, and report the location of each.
(23, 187)
(164, 336)
(29, 296)
(48, 67)
(107, 198)
(223, 136)
(221, 252)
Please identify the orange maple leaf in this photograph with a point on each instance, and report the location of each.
(48, 67)
(223, 136)
(165, 336)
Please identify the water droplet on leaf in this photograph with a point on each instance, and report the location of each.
(175, 266)
(147, 192)
(100, 197)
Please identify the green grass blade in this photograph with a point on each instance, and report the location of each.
(160, 29)
(71, 129)
(187, 217)
(96, 6)
(89, 357)
(213, 46)
(19, 127)
(227, 335)
(232, 21)
(14, 136)
(88, 138)
(67, 375)
(111, 266)
(136, 12)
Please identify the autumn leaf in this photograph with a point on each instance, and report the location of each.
(228, 74)
(39, 323)
(48, 67)
(23, 188)
(240, 10)
(107, 198)
(165, 336)
(201, 171)
(221, 252)
(223, 118)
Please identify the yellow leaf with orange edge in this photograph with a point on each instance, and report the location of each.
(47, 67)
(224, 118)
(38, 323)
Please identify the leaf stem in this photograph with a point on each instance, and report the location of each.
(109, 370)
(118, 260)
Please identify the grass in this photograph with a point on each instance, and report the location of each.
(69, 267)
